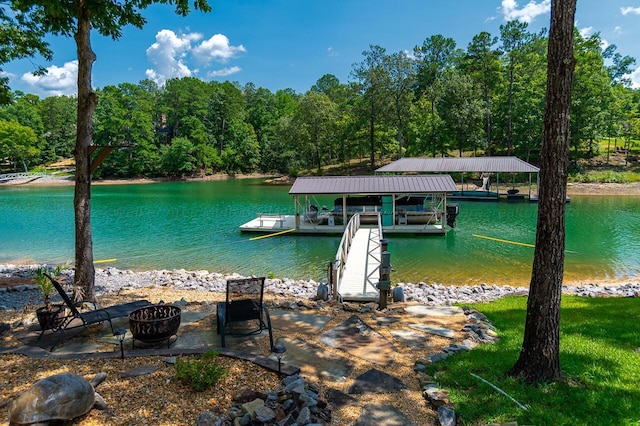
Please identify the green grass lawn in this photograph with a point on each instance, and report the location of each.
(600, 361)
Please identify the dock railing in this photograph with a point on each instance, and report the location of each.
(375, 251)
(276, 218)
(342, 253)
(340, 260)
(21, 175)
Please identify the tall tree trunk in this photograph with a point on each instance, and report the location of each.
(509, 113)
(372, 140)
(487, 104)
(539, 357)
(87, 100)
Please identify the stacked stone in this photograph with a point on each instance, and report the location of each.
(478, 330)
(294, 402)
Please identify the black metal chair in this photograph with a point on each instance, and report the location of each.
(243, 304)
(74, 318)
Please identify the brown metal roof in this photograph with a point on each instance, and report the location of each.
(462, 164)
(362, 185)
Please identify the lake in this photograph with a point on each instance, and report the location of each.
(194, 225)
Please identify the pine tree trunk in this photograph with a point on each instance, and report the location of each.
(87, 100)
(539, 357)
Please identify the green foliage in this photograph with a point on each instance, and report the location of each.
(606, 176)
(178, 157)
(201, 372)
(597, 356)
(21, 37)
(44, 284)
(17, 143)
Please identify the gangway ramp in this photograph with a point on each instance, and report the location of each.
(358, 261)
(21, 176)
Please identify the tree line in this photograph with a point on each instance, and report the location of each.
(437, 100)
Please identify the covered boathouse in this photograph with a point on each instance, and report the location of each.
(488, 171)
(415, 204)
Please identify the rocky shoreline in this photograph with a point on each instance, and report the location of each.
(113, 280)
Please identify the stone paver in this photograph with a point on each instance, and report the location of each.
(438, 331)
(314, 360)
(298, 322)
(355, 337)
(382, 415)
(434, 311)
(376, 381)
(385, 321)
(411, 339)
(139, 371)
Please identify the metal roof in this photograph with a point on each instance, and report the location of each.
(461, 164)
(420, 184)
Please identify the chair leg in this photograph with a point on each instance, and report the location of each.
(111, 324)
(221, 315)
(266, 314)
(221, 330)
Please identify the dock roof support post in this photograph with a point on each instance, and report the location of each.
(344, 211)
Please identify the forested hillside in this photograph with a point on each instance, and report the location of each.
(439, 99)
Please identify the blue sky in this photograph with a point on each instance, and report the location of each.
(281, 44)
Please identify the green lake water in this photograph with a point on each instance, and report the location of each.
(194, 225)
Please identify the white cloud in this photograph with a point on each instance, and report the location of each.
(331, 52)
(635, 78)
(167, 55)
(528, 13)
(58, 80)
(170, 55)
(617, 30)
(224, 72)
(218, 49)
(586, 33)
(630, 10)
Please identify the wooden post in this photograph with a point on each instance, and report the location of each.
(384, 285)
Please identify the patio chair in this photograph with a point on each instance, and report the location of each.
(249, 314)
(74, 318)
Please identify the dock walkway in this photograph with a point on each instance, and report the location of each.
(361, 270)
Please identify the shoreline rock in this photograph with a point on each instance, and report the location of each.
(110, 280)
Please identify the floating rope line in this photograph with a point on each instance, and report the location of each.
(272, 235)
(511, 242)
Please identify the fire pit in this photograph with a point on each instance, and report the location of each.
(155, 323)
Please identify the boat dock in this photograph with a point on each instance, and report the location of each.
(401, 204)
(486, 186)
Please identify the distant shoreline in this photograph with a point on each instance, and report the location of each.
(572, 188)
(49, 180)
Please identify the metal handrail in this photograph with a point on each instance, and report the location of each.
(21, 175)
(280, 219)
(372, 253)
(343, 251)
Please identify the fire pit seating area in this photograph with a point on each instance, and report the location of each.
(155, 323)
